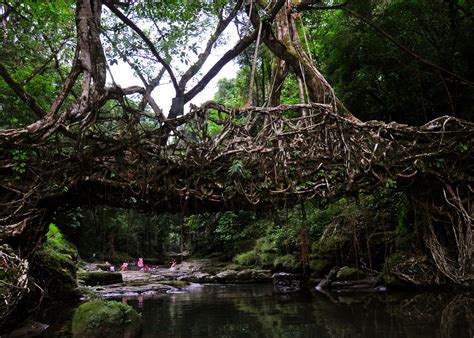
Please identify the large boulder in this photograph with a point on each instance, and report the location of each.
(285, 283)
(227, 276)
(98, 318)
(199, 277)
(347, 273)
(99, 278)
(253, 276)
(244, 276)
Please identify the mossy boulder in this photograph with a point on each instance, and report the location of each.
(347, 273)
(98, 318)
(53, 266)
(99, 278)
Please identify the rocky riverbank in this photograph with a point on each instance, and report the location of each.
(192, 273)
(187, 275)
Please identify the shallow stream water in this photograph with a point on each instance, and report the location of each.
(256, 311)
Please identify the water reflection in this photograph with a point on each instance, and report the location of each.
(233, 311)
(255, 310)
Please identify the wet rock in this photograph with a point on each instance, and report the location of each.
(359, 285)
(227, 276)
(110, 291)
(244, 276)
(199, 277)
(100, 278)
(29, 329)
(261, 275)
(285, 283)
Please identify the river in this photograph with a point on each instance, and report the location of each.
(256, 311)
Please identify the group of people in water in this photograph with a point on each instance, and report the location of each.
(142, 266)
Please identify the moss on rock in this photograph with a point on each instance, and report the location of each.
(100, 278)
(347, 273)
(98, 318)
(174, 283)
(53, 266)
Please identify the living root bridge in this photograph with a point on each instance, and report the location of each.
(217, 157)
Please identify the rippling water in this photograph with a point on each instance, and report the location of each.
(256, 311)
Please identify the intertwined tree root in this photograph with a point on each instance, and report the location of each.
(218, 157)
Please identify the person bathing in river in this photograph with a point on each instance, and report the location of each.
(173, 265)
(140, 263)
(124, 266)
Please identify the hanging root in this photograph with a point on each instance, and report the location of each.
(13, 281)
(453, 258)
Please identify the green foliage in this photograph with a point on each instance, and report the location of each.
(321, 266)
(55, 240)
(54, 265)
(390, 183)
(174, 27)
(225, 230)
(118, 235)
(463, 147)
(362, 231)
(238, 170)
(230, 92)
(19, 158)
(267, 251)
(393, 260)
(286, 263)
(30, 46)
(248, 258)
(376, 79)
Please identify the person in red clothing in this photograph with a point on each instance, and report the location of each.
(140, 263)
(147, 268)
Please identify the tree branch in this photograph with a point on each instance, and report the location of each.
(221, 26)
(150, 45)
(229, 55)
(41, 68)
(30, 101)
